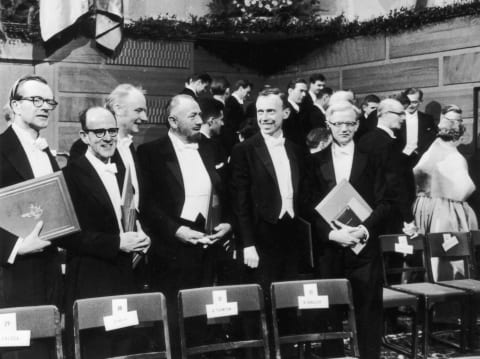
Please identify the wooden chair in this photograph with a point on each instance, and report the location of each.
(461, 252)
(151, 307)
(285, 295)
(193, 304)
(430, 294)
(43, 321)
(475, 247)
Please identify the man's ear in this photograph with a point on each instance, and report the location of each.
(286, 112)
(84, 137)
(172, 121)
(210, 121)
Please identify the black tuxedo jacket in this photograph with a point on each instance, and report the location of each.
(33, 279)
(234, 116)
(95, 265)
(427, 131)
(187, 91)
(293, 127)
(366, 176)
(166, 193)
(398, 175)
(255, 190)
(366, 125)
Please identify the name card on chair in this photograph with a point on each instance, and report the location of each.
(311, 299)
(221, 307)
(121, 317)
(9, 335)
(402, 246)
(449, 241)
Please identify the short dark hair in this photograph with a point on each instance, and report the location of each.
(219, 86)
(325, 91)
(247, 129)
(370, 98)
(203, 77)
(210, 107)
(275, 91)
(403, 99)
(83, 115)
(413, 91)
(243, 84)
(293, 83)
(17, 85)
(317, 77)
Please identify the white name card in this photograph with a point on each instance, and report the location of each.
(9, 335)
(449, 241)
(311, 299)
(221, 307)
(402, 246)
(121, 317)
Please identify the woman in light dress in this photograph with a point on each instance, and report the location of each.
(443, 186)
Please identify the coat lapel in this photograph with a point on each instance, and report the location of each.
(16, 154)
(208, 158)
(327, 170)
(262, 152)
(171, 161)
(292, 158)
(358, 165)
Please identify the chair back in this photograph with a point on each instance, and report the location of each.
(459, 252)
(286, 295)
(151, 307)
(390, 244)
(194, 302)
(42, 321)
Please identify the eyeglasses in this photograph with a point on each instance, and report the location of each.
(453, 119)
(397, 113)
(101, 132)
(39, 101)
(340, 124)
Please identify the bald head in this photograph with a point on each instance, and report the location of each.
(391, 113)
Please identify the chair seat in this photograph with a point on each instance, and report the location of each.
(467, 284)
(394, 298)
(431, 290)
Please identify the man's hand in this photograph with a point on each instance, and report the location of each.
(410, 229)
(187, 235)
(33, 243)
(133, 241)
(250, 257)
(220, 231)
(142, 233)
(346, 236)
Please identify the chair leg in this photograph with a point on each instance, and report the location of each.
(426, 327)
(414, 332)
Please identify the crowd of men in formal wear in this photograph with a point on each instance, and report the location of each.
(252, 162)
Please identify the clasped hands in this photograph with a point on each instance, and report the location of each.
(135, 241)
(347, 236)
(188, 235)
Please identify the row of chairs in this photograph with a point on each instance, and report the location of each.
(428, 290)
(44, 321)
(422, 297)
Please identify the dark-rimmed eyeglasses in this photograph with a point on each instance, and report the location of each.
(101, 132)
(38, 101)
(340, 124)
(397, 113)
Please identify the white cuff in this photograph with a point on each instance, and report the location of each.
(13, 254)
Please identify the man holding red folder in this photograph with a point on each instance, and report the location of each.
(336, 241)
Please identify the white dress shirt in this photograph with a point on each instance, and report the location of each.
(106, 172)
(123, 147)
(411, 123)
(240, 101)
(342, 160)
(38, 159)
(387, 130)
(295, 106)
(196, 181)
(281, 164)
(312, 96)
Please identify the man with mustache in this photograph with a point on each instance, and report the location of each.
(180, 173)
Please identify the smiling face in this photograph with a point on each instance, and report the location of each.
(270, 114)
(131, 112)
(186, 120)
(104, 147)
(25, 112)
(415, 102)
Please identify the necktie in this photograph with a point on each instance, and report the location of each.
(188, 146)
(125, 142)
(276, 142)
(41, 143)
(111, 168)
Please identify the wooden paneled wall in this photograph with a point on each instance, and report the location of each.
(443, 60)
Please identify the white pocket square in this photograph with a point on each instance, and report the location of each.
(220, 165)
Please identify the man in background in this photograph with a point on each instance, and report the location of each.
(196, 85)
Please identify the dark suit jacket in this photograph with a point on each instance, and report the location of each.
(366, 124)
(427, 131)
(234, 116)
(293, 127)
(398, 175)
(33, 279)
(255, 190)
(366, 177)
(187, 91)
(95, 265)
(164, 183)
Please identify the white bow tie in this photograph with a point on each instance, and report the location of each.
(125, 142)
(40, 143)
(188, 146)
(111, 167)
(275, 142)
